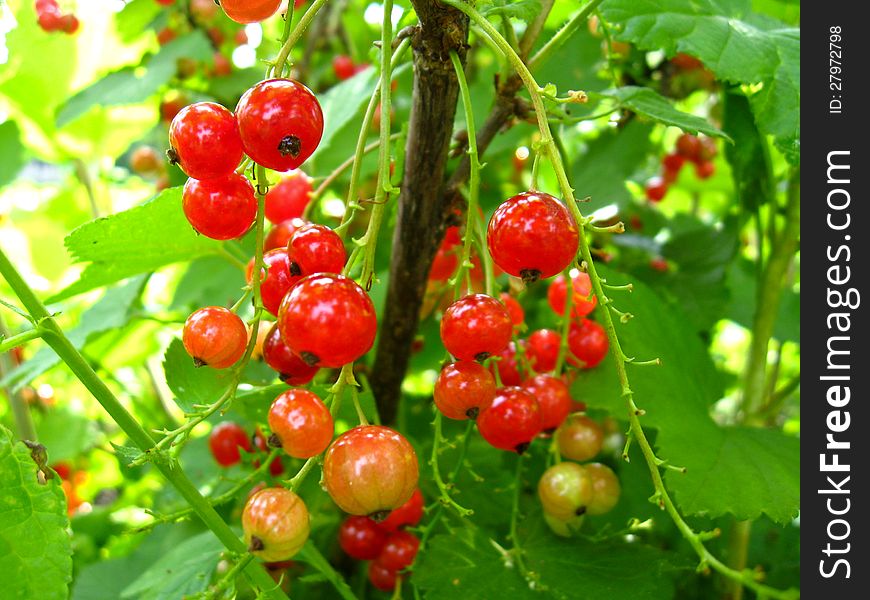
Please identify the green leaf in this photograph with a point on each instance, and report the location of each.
(743, 284)
(192, 385)
(185, 569)
(126, 454)
(210, 280)
(608, 162)
(111, 312)
(748, 155)
(11, 150)
(649, 103)
(524, 10)
(66, 434)
(35, 550)
(133, 20)
(737, 45)
(139, 240)
(309, 554)
(133, 84)
(677, 397)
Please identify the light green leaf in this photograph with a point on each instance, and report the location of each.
(35, 550)
(192, 385)
(11, 150)
(524, 10)
(743, 284)
(139, 240)
(133, 20)
(66, 434)
(649, 103)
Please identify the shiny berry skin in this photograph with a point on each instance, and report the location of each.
(361, 538)
(276, 524)
(587, 344)
(278, 280)
(409, 514)
(463, 389)
(250, 11)
(705, 169)
(369, 470)
(316, 249)
(205, 140)
(280, 234)
(583, 301)
(655, 189)
(288, 198)
(328, 320)
(565, 490)
(224, 442)
(476, 327)
(532, 236)
(280, 122)
(381, 577)
(221, 209)
(689, 146)
(447, 257)
(343, 67)
(515, 310)
(399, 551)
(606, 489)
(291, 369)
(301, 422)
(553, 398)
(507, 367)
(511, 421)
(579, 438)
(214, 336)
(542, 349)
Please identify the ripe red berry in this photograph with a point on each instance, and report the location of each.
(221, 209)
(707, 150)
(205, 141)
(280, 122)
(171, 106)
(659, 264)
(476, 327)
(222, 65)
(277, 281)
(656, 189)
(583, 301)
(463, 389)
(370, 469)
(579, 438)
(276, 524)
(515, 309)
(224, 442)
(686, 62)
(288, 198)
(447, 257)
(328, 320)
(588, 344)
(381, 577)
(543, 349)
(506, 366)
(315, 249)
(672, 163)
(705, 169)
(689, 146)
(409, 513)
(280, 234)
(69, 23)
(291, 369)
(532, 236)
(343, 67)
(250, 11)
(511, 421)
(554, 399)
(145, 161)
(399, 552)
(301, 423)
(361, 538)
(214, 336)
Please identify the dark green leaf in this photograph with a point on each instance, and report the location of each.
(748, 156)
(651, 104)
(309, 554)
(66, 434)
(11, 150)
(35, 552)
(190, 384)
(744, 294)
(210, 280)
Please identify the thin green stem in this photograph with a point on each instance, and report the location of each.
(294, 36)
(13, 341)
(18, 404)
(562, 36)
(517, 551)
(443, 487)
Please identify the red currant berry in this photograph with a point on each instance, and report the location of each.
(381, 577)
(369, 470)
(145, 161)
(315, 249)
(49, 17)
(686, 62)
(225, 441)
(605, 489)
(288, 198)
(553, 398)
(532, 236)
(565, 491)
(171, 106)
(476, 327)
(512, 420)
(250, 11)
(343, 67)
(655, 189)
(688, 146)
(205, 141)
(672, 163)
(543, 349)
(203, 10)
(409, 513)
(222, 209)
(446, 258)
(69, 23)
(587, 342)
(328, 320)
(222, 65)
(280, 122)
(707, 150)
(278, 280)
(507, 367)
(583, 301)
(280, 234)
(515, 310)
(400, 551)
(166, 35)
(214, 336)
(659, 264)
(276, 524)
(63, 469)
(705, 169)
(361, 538)
(301, 423)
(291, 369)
(463, 389)
(579, 438)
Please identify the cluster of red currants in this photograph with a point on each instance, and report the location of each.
(386, 544)
(50, 18)
(70, 480)
(532, 236)
(228, 439)
(698, 150)
(569, 491)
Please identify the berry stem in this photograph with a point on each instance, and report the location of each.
(745, 577)
(445, 498)
(7, 344)
(291, 37)
(517, 551)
